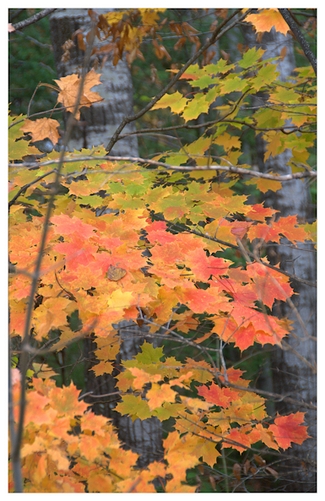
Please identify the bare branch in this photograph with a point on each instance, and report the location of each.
(299, 36)
(232, 169)
(33, 19)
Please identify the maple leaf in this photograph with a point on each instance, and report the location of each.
(134, 407)
(269, 284)
(237, 439)
(201, 447)
(218, 396)
(176, 102)
(42, 128)
(158, 394)
(199, 104)
(65, 401)
(141, 378)
(185, 322)
(69, 89)
(251, 57)
(179, 457)
(266, 19)
(18, 148)
(168, 410)
(203, 266)
(103, 367)
(265, 435)
(90, 447)
(149, 354)
(288, 429)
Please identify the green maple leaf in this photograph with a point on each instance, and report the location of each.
(149, 355)
(250, 58)
(134, 407)
(198, 105)
(168, 410)
(17, 147)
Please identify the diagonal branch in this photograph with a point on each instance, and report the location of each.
(33, 19)
(299, 36)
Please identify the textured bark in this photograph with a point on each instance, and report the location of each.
(96, 127)
(294, 368)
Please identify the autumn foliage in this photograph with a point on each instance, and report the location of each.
(129, 240)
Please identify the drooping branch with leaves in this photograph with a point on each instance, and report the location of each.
(177, 243)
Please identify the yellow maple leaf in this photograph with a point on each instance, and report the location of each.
(120, 299)
(176, 102)
(69, 88)
(266, 19)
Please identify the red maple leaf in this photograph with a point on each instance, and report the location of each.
(218, 396)
(289, 429)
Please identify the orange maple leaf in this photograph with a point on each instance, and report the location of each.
(159, 394)
(266, 19)
(237, 439)
(42, 128)
(69, 88)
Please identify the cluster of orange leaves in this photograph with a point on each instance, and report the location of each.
(67, 448)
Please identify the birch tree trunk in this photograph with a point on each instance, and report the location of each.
(96, 126)
(294, 366)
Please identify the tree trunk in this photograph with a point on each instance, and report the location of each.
(96, 126)
(294, 367)
(99, 122)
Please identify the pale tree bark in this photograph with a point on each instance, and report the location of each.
(96, 126)
(294, 366)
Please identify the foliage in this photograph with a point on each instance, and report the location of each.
(145, 241)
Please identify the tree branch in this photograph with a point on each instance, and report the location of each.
(33, 19)
(299, 36)
(285, 129)
(232, 169)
